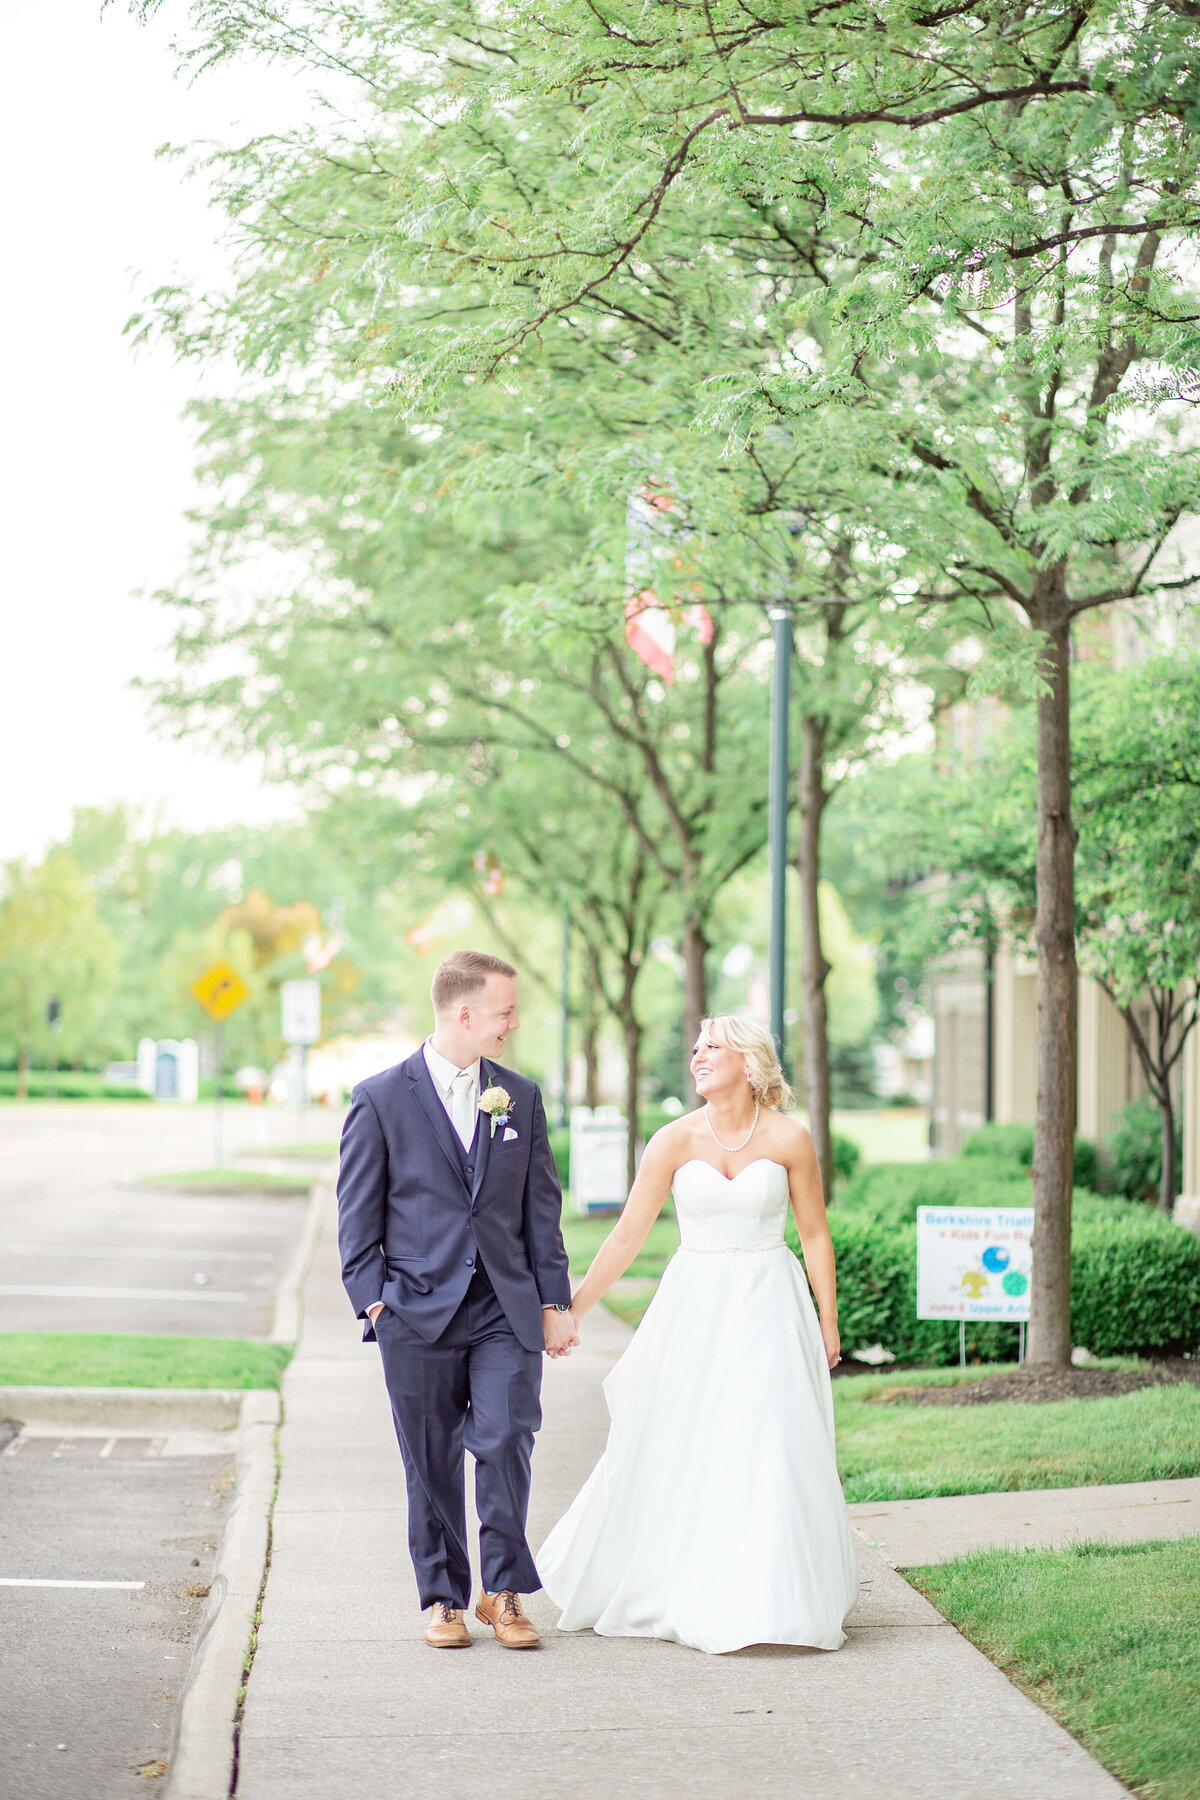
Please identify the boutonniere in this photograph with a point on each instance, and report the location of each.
(496, 1102)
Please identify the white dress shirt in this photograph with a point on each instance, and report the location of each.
(458, 1091)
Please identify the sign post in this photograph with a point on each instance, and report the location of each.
(974, 1263)
(54, 1026)
(220, 991)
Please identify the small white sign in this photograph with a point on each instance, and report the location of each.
(598, 1145)
(300, 1002)
(974, 1262)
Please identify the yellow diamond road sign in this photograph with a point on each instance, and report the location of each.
(220, 990)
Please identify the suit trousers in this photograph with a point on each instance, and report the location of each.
(478, 1389)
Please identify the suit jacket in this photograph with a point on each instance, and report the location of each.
(412, 1225)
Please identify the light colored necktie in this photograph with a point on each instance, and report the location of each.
(462, 1091)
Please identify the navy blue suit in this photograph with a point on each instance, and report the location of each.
(464, 1248)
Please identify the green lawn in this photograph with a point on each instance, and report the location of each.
(318, 1148)
(84, 1359)
(890, 1134)
(901, 1452)
(583, 1237)
(227, 1181)
(1103, 1636)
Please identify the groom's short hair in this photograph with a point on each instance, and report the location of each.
(462, 975)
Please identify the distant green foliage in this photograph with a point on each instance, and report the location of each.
(1007, 1143)
(69, 1084)
(892, 1192)
(1014, 1143)
(1135, 1150)
(846, 1156)
(560, 1150)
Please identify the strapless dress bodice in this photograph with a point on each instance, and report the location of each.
(745, 1212)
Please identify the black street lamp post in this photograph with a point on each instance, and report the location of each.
(778, 810)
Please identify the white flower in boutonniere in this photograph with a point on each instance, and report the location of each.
(496, 1102)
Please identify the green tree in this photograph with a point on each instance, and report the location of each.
(1139, 771)
(966, 239)
(1137, 916)
(52, 946)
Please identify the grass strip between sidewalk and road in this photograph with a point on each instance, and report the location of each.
(228, 1181)
(894, 1451)
(111, 1359)
(320, 1150)
(1103, 1636)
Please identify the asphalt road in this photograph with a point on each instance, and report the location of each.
(83, 1248)
(89, 1675)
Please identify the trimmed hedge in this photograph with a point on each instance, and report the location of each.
(1014, 1143)
(69, 1084)
(1135, 1279)
(893, 1191)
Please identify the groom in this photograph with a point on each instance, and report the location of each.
(449, 1226)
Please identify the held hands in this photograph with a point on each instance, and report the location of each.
(831, 1338)
(560, 1330)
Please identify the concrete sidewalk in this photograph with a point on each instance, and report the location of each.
(344, 1696)
(912, 1532)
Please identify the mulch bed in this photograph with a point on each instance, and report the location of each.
(1034, 1383)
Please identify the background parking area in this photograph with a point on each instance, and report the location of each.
(83, 1248)
(91, 1673)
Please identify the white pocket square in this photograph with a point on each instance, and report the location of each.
(509, 1134)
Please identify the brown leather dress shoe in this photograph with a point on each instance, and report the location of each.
(446, 1629)
(503, 1613)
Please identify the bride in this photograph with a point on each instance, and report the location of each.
(715, 1516)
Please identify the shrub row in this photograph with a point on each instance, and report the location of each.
(1014, 1144)
(68, 1085)
(1135, 1279)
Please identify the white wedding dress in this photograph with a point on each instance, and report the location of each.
(715, 1516)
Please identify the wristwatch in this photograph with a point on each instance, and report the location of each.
(556, 1306)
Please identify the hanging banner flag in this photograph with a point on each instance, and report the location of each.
(650, 627)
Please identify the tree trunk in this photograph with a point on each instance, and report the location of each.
(1057, 979)
(590, 1045)
(813, 967)
(1167, 1181)
(695, 948)
(633, 1053)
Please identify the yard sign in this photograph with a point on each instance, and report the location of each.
(973, 1262)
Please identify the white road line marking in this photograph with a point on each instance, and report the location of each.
(22, 1581)
(67, 1251)
(17, 1291)
(108, 1447)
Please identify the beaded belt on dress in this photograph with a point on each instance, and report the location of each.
(731, 1249)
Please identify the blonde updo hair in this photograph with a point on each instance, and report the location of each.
(755, 1043)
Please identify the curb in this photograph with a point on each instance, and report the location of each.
(201, 1764)
(131, 1409)
(286, 1329)
(201, 1759)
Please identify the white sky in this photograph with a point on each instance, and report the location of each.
(95, 459)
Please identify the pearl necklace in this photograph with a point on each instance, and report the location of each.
(732, 1149)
